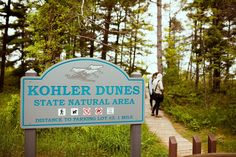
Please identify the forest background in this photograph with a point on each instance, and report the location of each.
(201, 97)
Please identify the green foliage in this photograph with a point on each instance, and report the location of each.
(228, 145)
(11, 136)
(12, 82)
(213, 38)
(198, 117)
(82, 141)
(11, 112)
(180, 92)
(189, 107)
(187, 119)
(230, 117)
(67, 27)
(96, 141)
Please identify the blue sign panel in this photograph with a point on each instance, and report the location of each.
(81, 91)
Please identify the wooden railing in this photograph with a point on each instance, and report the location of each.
(196, 150)
(214, 155)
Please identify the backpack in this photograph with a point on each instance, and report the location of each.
(160, 97)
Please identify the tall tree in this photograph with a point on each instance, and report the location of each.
(172, 53)
(21, 37)
(108, 7)
(4, 43)
(109, 29)
(210, 18)
(56, 27)
(159, 36)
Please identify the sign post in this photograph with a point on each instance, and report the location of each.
(135, 132)
(30, 134)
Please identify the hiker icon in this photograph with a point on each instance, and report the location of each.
(61, 112)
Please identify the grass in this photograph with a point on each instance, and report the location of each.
(107, 141)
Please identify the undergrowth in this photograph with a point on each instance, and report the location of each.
(199, 111)
(105, 141)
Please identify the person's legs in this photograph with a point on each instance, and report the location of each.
(153, 109)
(156, 103)
(157, 107)
(151, 100)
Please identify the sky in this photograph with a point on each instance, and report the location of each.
(151, 60)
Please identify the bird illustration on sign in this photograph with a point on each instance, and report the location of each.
(89, 74)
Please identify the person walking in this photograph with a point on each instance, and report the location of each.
(150, 88)
(157, 93)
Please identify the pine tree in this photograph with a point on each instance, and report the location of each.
(211, 43)
(6, 15)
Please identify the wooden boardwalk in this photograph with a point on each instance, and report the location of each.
(163, 128)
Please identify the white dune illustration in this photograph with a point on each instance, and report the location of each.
(85, 74)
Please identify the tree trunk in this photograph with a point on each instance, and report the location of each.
(189, 71)
(210, 74)
(92, 47)
(135, 42)
(228, 60)
(4, 47)
(117, 42)
(197, 72)
(197, 56)
(123, 39)
(159, 36)
(106, 33)
(217, 55)
(216, 80)
(91, 50)
(121, 49)
(74, 46)
(204, 64)
(130, 56)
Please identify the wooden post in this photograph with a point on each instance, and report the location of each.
(196, 145)
(30, 142)
(30, 134)
(135, 135)
(172, 147)
(211, 143)
(135, 132)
